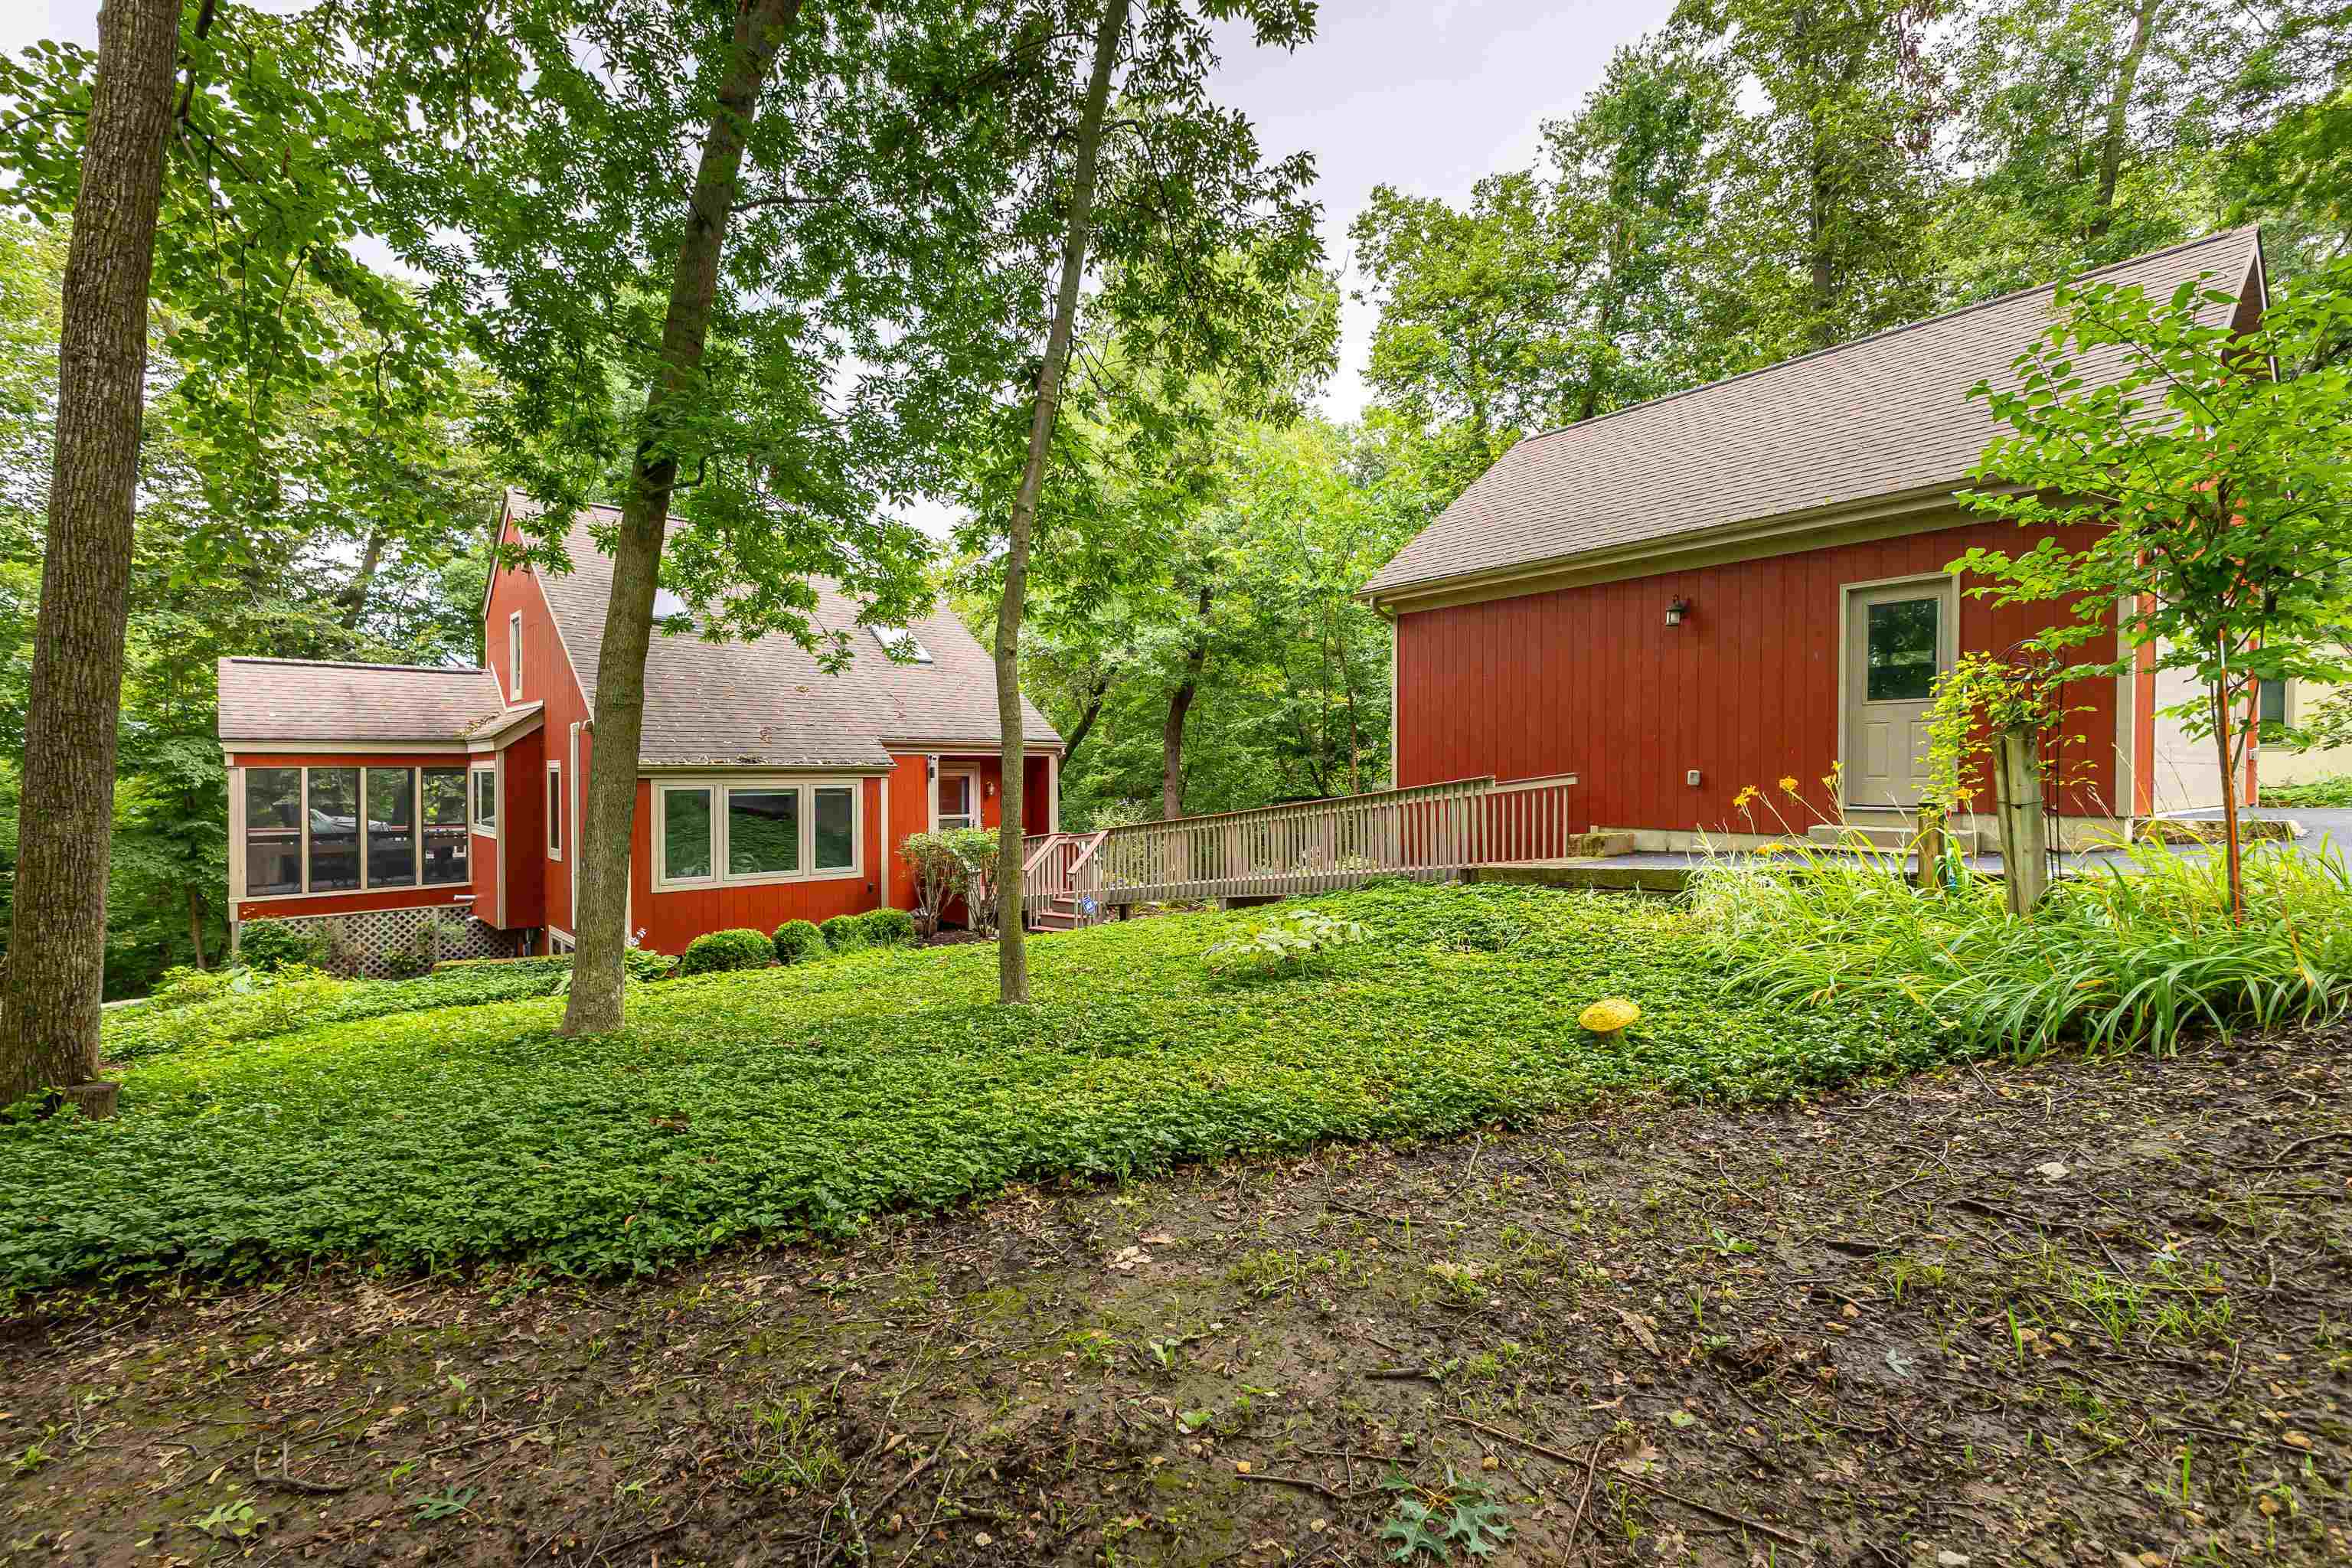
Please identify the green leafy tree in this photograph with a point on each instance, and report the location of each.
(2203, 506)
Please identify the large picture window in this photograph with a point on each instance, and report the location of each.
(338, 829)
(767, 830)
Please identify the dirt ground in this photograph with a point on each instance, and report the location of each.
(2094, 1313)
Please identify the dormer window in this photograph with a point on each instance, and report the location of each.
(900, 643)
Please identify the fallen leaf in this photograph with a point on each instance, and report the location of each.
(1640, 1331)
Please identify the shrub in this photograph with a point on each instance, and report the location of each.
(2127, 954)
(888, 927)
(741, 948)
(2334, 791)
(269, 944)
(640, 963)
(977, 848)
(940, 876)
(1283, 942)
(798, 941)
(845, 933)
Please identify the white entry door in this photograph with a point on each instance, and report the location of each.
(1899, 636)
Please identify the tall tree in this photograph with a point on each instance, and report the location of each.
(57, 951)
(1827, 186)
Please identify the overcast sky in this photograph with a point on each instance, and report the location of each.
(1427, 95)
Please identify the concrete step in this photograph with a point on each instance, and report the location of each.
(1881, 832)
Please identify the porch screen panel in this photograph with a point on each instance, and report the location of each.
(273, 831)
(392, 827)
(445, 836)
(763, 832)
(334, 817)
(837, 830)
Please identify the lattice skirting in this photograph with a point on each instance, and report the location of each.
(377, 941)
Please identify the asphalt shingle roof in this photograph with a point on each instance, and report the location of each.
(303, 699)
(1883, 416)
(767, 703)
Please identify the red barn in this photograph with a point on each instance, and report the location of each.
(768, 789)
(1745, 583)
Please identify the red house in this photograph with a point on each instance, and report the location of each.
(767, 789)
(1744, 583)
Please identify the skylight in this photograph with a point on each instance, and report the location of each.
(900, 643)
(667, 603)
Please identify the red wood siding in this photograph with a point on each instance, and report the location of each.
(547, 678)
(522, 831)
(910, 811)
(672, 919)
(1593, 681)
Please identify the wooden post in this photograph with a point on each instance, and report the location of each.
(1930, 848)
(2024, 833)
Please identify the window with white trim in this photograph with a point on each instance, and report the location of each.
(958, 801)
(708, 833)
(555, 811)
(486, 798)
(514, 656)
(342, 830)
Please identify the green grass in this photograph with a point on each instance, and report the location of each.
(2335, 790)
(226, 1017)
(786, 1101)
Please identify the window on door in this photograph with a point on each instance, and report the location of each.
(958, 801)
(1904, 635)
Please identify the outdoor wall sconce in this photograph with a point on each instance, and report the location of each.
(1676, 608)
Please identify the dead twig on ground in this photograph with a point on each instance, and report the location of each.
(1639, 1483)
(294, 1483)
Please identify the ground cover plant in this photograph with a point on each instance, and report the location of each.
(2072, 1315)
(813, 1096)
(2333, 792)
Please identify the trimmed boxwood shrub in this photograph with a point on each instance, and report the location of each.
(845, 933)
(797, 942)
(889, 927)
(742, 947)
(268, 945)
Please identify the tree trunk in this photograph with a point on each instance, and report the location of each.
(1077, 737)
(355, 595)
(197, 922)
(1012, 949)
(1180, 702)
(2119, 126)
(2219, 696)
(56, 949)
(602, 918)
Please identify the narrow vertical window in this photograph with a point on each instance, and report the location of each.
(334, 821)
(555, 811)
(686, 834)
(486, 799)
(391, 828)
(273, 831)
(446, 838)
(514, 656)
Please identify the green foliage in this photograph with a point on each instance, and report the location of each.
(797, 942)
(888, 927)
(267, 944)
(845, 933)
(1979, 697)
(2119, 958)
(1436, 1522)
(809, 1098)
(939, 873)
(236, 1006)
(1282, 942)
(2332, 791)
(741, 948)
(976, 849)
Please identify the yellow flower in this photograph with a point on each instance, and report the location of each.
(1739, 802)
(1770, 847)
(1789, 784)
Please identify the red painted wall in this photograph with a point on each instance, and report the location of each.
(1593, 681)
(910, 811)
(522, 830)
(547, 678)
(672, 919)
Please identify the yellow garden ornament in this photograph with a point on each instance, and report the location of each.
(1609, 1014)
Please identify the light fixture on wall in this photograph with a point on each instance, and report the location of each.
(1676, 608)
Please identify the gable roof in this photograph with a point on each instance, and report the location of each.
(303, 699)
(1884, 416)
(766, 702)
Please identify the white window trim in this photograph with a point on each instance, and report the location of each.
(555, 811)
(971, 796)
(369, 881)
(489, 829)
(514, 656)
(720, 876)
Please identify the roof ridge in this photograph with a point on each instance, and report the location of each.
(358, 664)
(1897, 330)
